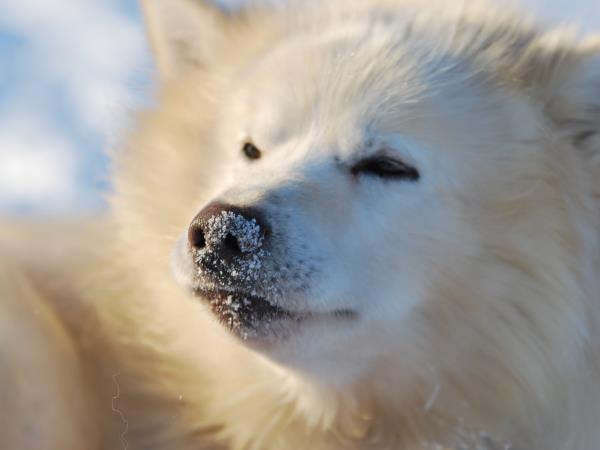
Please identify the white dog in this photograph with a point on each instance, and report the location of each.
(383, 219)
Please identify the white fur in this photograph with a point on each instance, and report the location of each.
(474, 289)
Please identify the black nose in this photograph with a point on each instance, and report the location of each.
(228, 231)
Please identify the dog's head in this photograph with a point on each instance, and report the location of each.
(387, 190)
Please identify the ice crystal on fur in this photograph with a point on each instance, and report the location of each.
(242, 313)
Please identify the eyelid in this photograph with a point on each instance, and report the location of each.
(384, 165)
(388, 153)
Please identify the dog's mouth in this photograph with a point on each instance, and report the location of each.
(251, 317)
(246, 315)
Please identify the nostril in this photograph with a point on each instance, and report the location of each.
(196, 237)
(231, 244)
(227, 231)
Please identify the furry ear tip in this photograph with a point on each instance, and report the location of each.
(182, 33)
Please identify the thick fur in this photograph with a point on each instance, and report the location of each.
(476, 288)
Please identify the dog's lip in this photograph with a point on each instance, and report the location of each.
(255, 302)
(262, 309)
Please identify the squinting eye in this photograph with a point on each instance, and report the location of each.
(385, 167)
(250, 150)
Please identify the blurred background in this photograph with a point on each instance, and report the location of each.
(71, 74)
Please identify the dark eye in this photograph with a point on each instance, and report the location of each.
(250, 150)
(385, 167)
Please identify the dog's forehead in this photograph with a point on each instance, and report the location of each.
(346, 83)
(337, 76)
(341, 90)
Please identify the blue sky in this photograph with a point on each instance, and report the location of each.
(72, 72)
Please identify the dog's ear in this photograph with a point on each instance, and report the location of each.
(566, 78)
(183, 33)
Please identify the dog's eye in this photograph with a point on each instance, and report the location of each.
(385, 167)
(250, 150)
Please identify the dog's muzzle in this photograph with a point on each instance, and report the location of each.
(228, 245)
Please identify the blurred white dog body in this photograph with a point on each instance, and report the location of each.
(428, 176)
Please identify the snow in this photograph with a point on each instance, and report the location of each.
(247, 232)
(239, 270)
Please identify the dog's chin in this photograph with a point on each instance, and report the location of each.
(259, 323)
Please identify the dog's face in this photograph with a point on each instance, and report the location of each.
(350, 182)
(382, 198)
